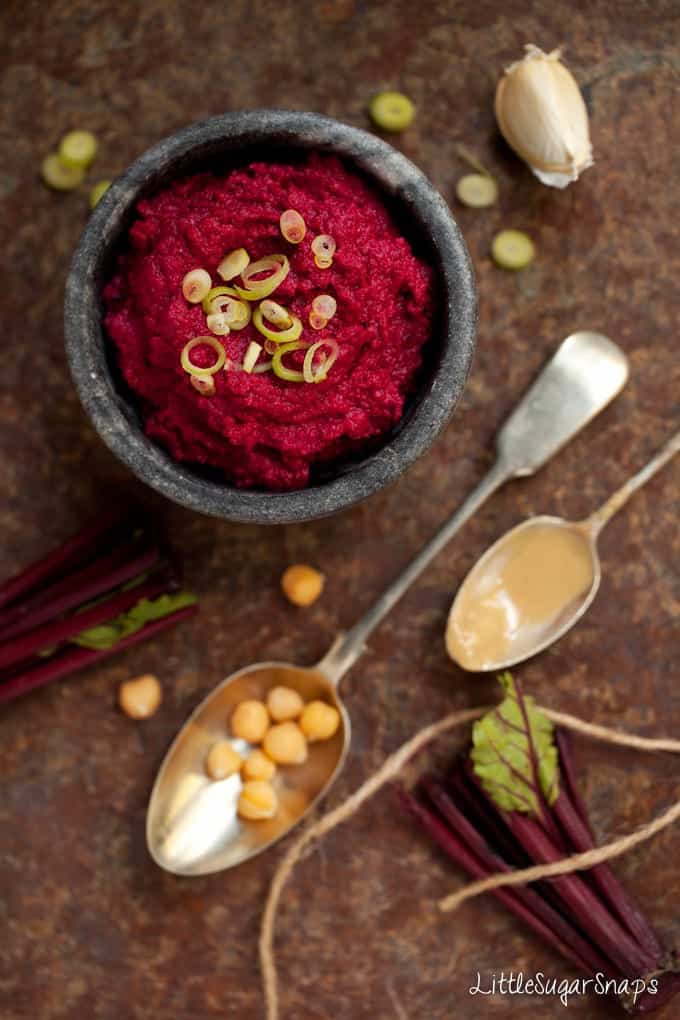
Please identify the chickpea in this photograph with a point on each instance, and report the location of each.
(258, 766)
(284, 703)
(257, 800)
(319, 721)
(222, 761)
(140, 698)
(250, 721)
(302, 585)
(285, 744)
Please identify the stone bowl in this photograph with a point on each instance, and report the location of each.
(232, 139)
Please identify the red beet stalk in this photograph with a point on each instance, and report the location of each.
(76, 589)
(55, 633)
(72, 554)
(73, 659)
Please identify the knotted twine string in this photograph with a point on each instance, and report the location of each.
(390, 769)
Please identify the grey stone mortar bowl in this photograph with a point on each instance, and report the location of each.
(229, 140)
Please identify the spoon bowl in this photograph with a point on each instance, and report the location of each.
(192, 823)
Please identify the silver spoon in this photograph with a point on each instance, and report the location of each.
(534, 583)
(192, 824)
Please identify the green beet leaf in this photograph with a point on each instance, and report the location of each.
(109, 634)
(514, 754)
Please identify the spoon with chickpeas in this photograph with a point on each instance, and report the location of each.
(263, 747)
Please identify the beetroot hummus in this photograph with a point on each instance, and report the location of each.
(260, 430)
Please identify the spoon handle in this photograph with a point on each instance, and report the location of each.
(349, 645)
(596, 522)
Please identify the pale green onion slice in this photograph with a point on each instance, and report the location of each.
(203, 384)
(210, 341)
(252, 354)
(512, 249)
(96, 193)
(323, 246)
(276, 314)
(242, 316)
(325, 305)
(270, 346)
(57, 175)
(477, 191)
(214, 293)
(78, 149)
(317, 320)
(233, 264)
(312, 375)
(218, 323)
(391, 111)
(278, 267)
(278, 367)
(279, 336)
(322, 263)
(196, 285)
(292, 226)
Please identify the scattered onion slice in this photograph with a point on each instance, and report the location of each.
(323, 246)
(218, 323)
(325, 305)
(276, 314)
(270, 346)
(57, 175)
(321, 373)
(210, 341)
(317, 320)
(254, 290)
(278, 336)
(279, 369)
(203, 384)
(213, 294)
(252, 354)
(196, 285)
(292, 226)
(322, 263)
(233, 264)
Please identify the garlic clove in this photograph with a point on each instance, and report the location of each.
(542, 116)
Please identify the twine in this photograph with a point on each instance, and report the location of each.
(391, 768)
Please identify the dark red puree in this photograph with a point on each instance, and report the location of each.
(262, 431)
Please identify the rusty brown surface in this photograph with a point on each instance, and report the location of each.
(90, 927)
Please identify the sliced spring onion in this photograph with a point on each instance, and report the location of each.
(477, 190)
(512, 249)
(391, 111)
(292, 226)
(243, 313)
(78, 149)
(279, 336)
(98, 191)
(278, 367)
(322, 263)
(323, 246)
(317, 320)
(203, 384)
(218, 323)
(252, 354)
(236, 312)
(214, 293)
(57, 175)
(210, 341)
(277, 266)
(233, 264)
(325, 305)
(196, 285)
(276, 314)
(270, 346)
(315, 376)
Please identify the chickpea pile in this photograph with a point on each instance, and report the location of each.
(281, 728)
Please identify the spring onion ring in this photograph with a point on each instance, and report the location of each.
(218, 323)
(322, 263)
(57, 175)
(279, 369)
(195, 285)
(233, 264)
(254, 290)
(325, 305)
(317, 320)
(210, 341)
(323, 246)
(292, 226)
(77, 149)
(308, 372)
(279, 336)
(215, 292)
(276, 314)
(203, 384)
(250, 358)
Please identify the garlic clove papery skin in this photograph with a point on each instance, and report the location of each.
(542, 116)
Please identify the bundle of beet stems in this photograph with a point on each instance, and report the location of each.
(108, 587)
(513, 802)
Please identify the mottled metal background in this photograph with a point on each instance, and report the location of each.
(91, 930)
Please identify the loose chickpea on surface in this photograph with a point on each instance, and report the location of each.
(140, 698)
(285, 744)
(319, 721)
(257, 800)
(284, 703)
(222, 761)
(250, 721)
(302, 584)
(258, 766)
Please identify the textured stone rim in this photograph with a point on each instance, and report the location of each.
(86, 343)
